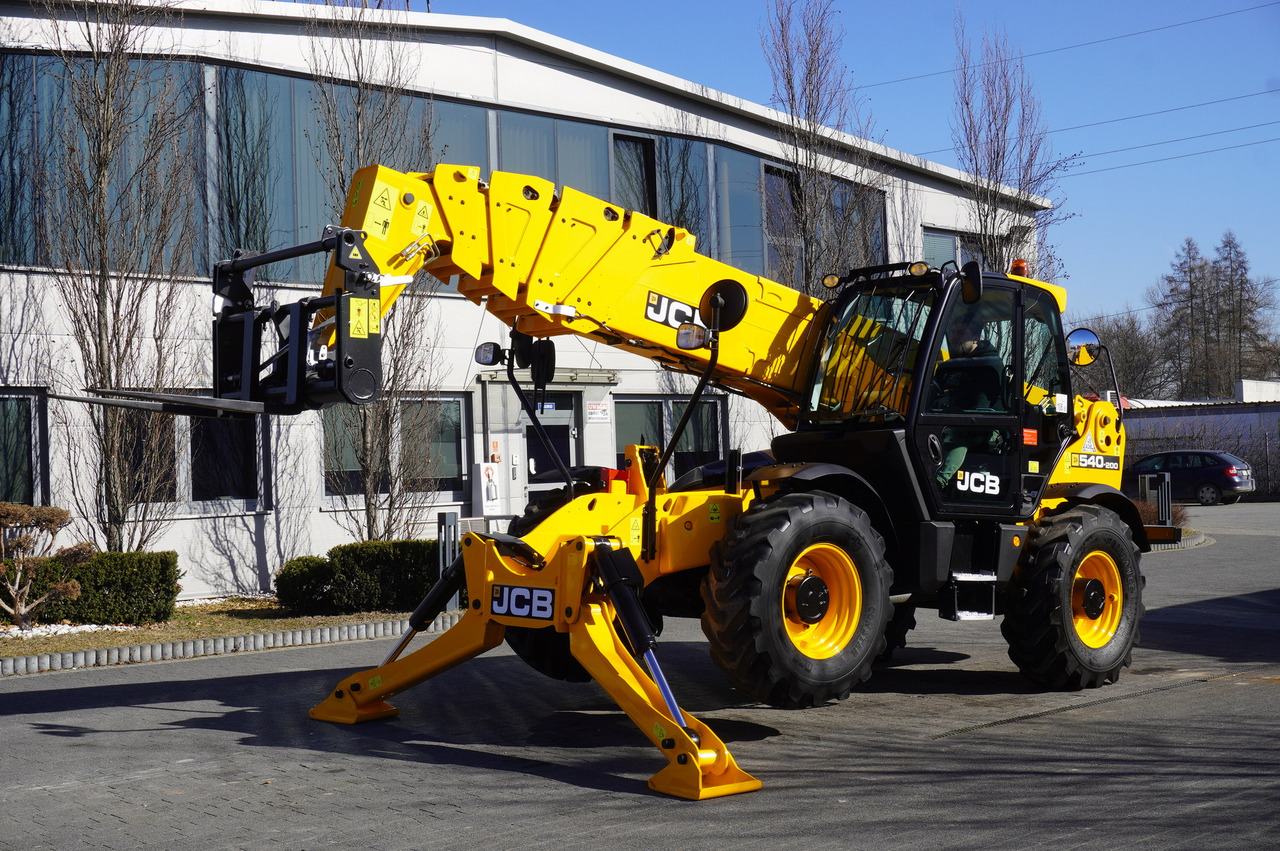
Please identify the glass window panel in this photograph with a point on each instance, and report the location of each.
(526, 144)
(682, 185)
(460, 135)
(342, 472)
(431, 445)
(149, 445)
(700, 442)
(17, 106)
(634, 186)
(312, 201)
(739, 209)
(224, 463)
(17, 482)
(939, 247)
(256, 157)
(582, 157)
(785, 261)
(636, 422)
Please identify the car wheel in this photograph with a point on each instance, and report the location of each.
(1208, 494)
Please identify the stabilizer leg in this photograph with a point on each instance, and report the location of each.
(697, 769)
(362, 697)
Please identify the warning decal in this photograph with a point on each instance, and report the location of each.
(377, 217)
(375, 316)
(421, 219)
(359, 322)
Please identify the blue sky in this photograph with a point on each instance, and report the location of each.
(1128, 222)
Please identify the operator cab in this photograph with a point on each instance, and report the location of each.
(947, 396)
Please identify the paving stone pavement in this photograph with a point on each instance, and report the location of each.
(947, 748)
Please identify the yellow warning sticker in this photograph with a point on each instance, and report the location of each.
(659, 732)
(375, 682)
(359, 322)
(713, 512)
(635, 531)
(377, 216)
(1033, 466)
(375, 316)
(421, 218)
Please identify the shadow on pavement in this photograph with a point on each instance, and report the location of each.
(1243, 628)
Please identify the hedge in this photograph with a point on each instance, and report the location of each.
(373, 576)
(119, 588)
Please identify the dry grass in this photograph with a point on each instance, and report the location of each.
(237, 616)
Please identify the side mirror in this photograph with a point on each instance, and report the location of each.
(971, 282)
(490, 354)
(1082, 347)
(690, 336)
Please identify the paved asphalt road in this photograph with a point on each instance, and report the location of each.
(948, 748)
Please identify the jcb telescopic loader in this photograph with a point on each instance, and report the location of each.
(937, 457)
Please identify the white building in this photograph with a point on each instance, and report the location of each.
(504, 97)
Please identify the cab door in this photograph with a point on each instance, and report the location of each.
(995, 414)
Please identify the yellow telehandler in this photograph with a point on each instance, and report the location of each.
(935, 457)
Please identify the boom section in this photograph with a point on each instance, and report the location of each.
(550, 263)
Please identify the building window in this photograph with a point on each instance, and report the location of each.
(682, 186)
(582, 157)
(650, 422)
(634, 183)
(17, 458)
(738, 208)
(436, 427)
(459, 135)
(527, 144)
(945, 246)
(414, 446)
(224, 459)
(785, 260)
(149, 443)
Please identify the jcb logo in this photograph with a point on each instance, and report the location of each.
(523, 602)
(669, 312)
(1095, 462)
(978, 482)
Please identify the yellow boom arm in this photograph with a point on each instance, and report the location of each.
(548, 263)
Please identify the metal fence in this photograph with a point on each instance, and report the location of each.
(1253, 436)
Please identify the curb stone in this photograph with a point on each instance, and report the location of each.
(190, 649)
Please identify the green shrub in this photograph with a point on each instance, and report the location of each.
(372, 576)
(304, 585)
(120, 588)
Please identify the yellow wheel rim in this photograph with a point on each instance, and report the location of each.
(834, 629)
(1097, 599)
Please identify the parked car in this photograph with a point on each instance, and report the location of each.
(1203, 476)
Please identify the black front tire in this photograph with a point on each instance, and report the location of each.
(767, 633)
(1073, 610)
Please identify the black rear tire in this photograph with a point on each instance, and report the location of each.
(1073, 610)
(776, 641)
(895, 634)
(544, 649)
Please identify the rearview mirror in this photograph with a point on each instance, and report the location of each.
(1082, 347)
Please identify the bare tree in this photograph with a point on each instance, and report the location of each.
(1136, 349)
(115, 159)
(382, 458)
(1001, 141)
(825, 207)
